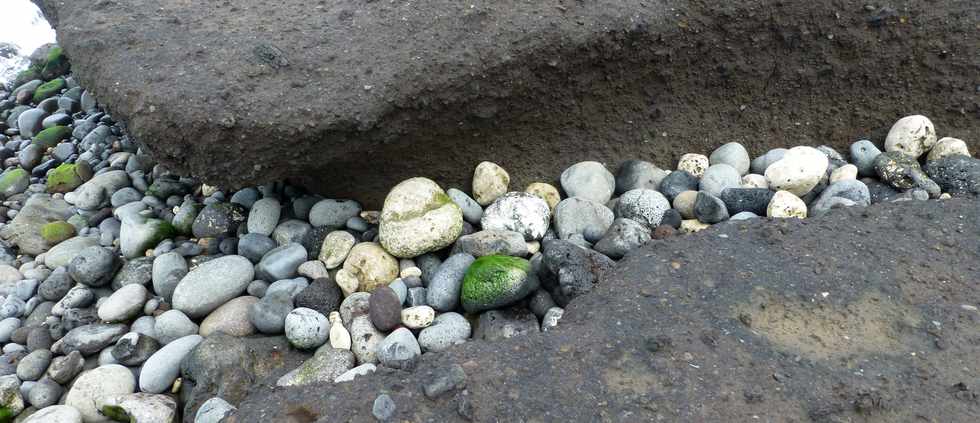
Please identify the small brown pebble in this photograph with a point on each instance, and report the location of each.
(664, 231)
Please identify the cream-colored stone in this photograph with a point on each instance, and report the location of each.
(948, 146)
(912, 135)
(339, 337)
(689, 226)
(230, 318)
(754, 180)
(694, 164)
(371, 265)
(546, 191)
(489, 182)
(418, 317)
(102, 381)
(785, 204)
(407, 268)
(418, 217)
(533, 247)
(313, 269)
(347, 282)
(844, 173)
(336, 245)
(798, 171)
(684, 203)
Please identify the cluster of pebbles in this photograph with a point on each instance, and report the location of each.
(113, 269)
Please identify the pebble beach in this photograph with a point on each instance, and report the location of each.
(113, 269)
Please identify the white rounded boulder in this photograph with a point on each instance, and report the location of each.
(519, 212)
(946, 147)
(798, 171)
(418, 217)
(102, 381)
(306, 328)
(911, 135)
(785, 204)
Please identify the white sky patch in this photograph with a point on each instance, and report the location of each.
(24, 27)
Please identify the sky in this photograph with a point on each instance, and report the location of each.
(25, 27)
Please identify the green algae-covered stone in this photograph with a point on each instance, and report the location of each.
(135, 238)
(496, 281)
(55, 232)
(116, 413)
(27, 75)
(64, 178)
(184, 219)
(6, 415)
(56, 65)
(48, 89)
(52, 136)
(14, 182)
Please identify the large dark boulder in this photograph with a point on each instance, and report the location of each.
(762, 320)
(229, 367)
(351, 96)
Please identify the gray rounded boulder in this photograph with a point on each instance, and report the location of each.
(212, 284)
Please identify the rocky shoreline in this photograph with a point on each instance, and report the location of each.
(115, 270)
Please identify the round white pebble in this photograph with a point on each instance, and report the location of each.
(306, 328)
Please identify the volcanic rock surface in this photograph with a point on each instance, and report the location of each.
(864, 314)
(352, 96)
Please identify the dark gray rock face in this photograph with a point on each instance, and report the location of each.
(957, 175)
(230, 367)
(534, 86)
(681, 296)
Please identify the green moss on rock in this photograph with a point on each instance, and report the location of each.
(6, 415)
(184, 219)
(496, 281)
(31, 73)
(14, 182)
(56, 65)
(64, 178)
(48, 89)
(117, 413)
(157, 230)
(57, 231)
(50, 137)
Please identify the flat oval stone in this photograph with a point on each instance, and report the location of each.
(385, 309)
(123, 304)
(212, 284)
(90, 339)
(162, 368)
(443, 289)
(230, 318)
